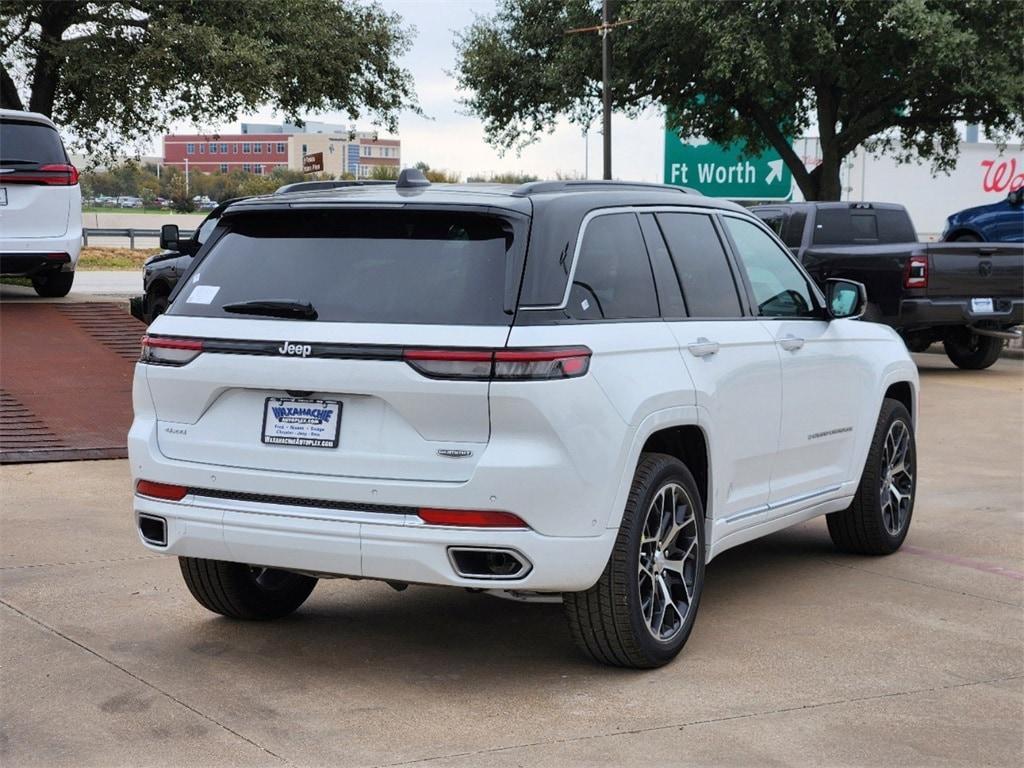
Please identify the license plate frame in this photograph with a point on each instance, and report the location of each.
(303, 427)
(982, 306)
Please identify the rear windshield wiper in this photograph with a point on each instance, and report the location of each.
(17, 160)
(274, 308)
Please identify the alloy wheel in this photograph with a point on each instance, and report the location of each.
(668, 564)
(897, 485)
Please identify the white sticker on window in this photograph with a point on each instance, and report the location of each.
(585, 304)
(202, 294)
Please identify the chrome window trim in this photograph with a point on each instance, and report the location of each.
(634, 209)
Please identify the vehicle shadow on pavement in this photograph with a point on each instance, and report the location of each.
(453, 638)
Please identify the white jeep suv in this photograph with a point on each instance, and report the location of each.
(585, 390)
(40, 204)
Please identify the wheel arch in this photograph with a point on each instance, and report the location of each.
(903, 392)
(964, 230)
(689, 444)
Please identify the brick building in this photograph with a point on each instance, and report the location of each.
(260, 149)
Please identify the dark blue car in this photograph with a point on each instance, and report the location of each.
(1001, 222)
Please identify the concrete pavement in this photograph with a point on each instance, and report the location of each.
(89, 285)
(800, 655)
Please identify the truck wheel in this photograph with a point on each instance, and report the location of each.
(877, 521)
(971, 351)
(157, 305)
(966, 237)
(641, 611)
(53, 285)
(241, 591)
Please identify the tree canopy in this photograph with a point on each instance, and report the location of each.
(895, 76)
(118, 72)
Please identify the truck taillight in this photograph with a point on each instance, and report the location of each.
(159, 350)
(526, 364)
(915, 274)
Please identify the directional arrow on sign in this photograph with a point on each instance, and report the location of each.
(774, 171)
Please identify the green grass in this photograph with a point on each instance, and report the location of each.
(106, 209)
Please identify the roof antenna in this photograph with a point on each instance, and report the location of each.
(411, 178)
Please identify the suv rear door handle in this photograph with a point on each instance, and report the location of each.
(790, 342)
(703, 348)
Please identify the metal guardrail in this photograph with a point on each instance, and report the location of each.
(129, 232)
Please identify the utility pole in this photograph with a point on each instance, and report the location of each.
(605, 30)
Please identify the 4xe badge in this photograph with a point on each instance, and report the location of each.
(300, 350)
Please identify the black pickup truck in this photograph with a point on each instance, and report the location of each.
(969, 296)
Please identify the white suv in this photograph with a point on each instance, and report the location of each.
(40, 204)
(576, 389)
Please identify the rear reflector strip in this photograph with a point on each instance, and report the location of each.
(300, 501)
(470, 518)
(164, 491)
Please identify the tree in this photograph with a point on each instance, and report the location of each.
(116, 72)
(894, 76)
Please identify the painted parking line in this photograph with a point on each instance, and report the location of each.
(964, 562)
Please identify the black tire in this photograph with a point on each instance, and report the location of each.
(865, 527)
(608, 621)
(240, 591)
(157, 304)
(53, 285)
(966, 237)
(971, 351)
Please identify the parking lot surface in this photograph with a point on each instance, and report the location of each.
(800, 655)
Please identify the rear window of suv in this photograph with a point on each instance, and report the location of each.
(25, 143)
(363, 266)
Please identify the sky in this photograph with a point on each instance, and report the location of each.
(448, 138)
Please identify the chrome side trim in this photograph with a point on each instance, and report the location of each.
(781, 503)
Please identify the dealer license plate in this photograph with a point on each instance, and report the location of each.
(980, 306)
(307, 423)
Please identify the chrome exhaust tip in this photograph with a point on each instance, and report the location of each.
(488, 563)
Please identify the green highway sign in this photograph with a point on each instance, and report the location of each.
(718, 171)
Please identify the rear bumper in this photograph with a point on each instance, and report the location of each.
(925, 313)
(402, 548)
(33, 255)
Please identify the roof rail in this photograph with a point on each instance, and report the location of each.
(588, 185)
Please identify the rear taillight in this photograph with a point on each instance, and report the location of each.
(157, 350)
(543, 363)
(470, 518)
(54, 175)
(915, 274)
(164, 491)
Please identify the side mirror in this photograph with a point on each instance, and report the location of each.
(1016, 197)
(846, 298)
(169, 237)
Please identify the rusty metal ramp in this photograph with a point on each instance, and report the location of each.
(66, 380)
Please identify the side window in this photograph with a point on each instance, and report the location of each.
(206, 228)
(700, 261)
(780, 289)
(773, 218)
(613, 279)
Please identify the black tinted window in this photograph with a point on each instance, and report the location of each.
(773, 218)
(22, 143)
(613, 277)
(704, 273)
(894, 227)
(389, 266)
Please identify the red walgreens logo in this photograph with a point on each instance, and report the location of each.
(1001, 176)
